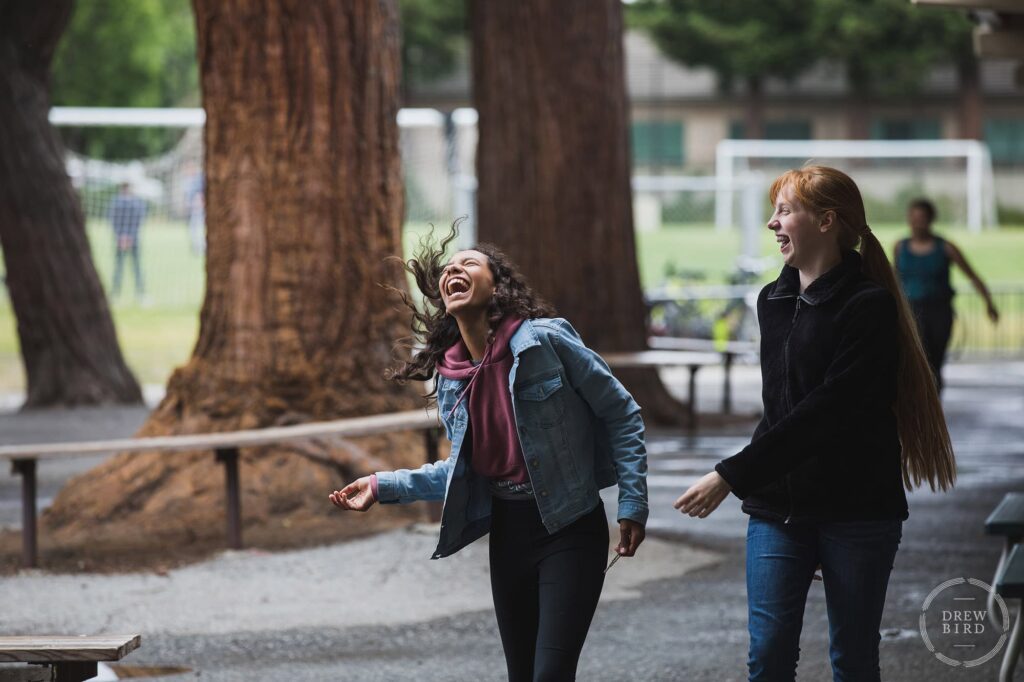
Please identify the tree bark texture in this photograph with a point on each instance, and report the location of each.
(553, 168)
(68, 343)
(304, 205)
(754, 114)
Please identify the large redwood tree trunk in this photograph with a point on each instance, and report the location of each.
(553, 167)
(754, 114)
(68, 344)
(305, 202)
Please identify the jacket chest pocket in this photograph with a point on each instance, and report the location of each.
(453, 415)
(541, 400)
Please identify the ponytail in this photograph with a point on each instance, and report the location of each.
(927, 450)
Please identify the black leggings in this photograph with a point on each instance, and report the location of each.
(935, 324)
(545, 588)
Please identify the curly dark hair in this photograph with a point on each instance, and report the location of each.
(433, 329)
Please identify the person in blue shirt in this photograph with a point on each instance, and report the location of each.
(127, 212)
(538, 425)
(923, 264)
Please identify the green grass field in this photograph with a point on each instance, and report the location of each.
(158, 333)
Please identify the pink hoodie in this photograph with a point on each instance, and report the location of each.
(496, 452)
(495, 448)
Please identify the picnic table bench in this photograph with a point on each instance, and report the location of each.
(225, 446)
(729, 351)
(1007, 520)
(62, 659)
(692, 360)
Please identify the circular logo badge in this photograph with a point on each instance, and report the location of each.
(964, 623)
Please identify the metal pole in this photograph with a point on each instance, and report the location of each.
(1009, 542)
(229, 457)
(691, 408)
(974, 191)
(26, 468)
(724, 186)
(1012, 649)
(727, 386)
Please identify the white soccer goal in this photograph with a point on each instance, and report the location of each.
(960, 170)
(690, 199)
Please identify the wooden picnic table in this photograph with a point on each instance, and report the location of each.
(1007, 521)
(729, 351)
(225, 446)
(67, 659)
(692, 360)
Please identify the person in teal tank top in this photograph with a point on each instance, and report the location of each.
(923, 263)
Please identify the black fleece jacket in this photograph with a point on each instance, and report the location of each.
(827, 448)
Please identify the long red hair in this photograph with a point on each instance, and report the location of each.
(927, 450)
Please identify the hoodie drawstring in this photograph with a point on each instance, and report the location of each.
(476, 373)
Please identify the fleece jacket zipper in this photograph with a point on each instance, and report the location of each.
(789, 399)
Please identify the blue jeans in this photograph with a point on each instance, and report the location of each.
(119, 256)
(856, 559)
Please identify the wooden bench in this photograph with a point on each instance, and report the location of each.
(225, 446)
(692, 360)
(729, 351)
(1010, 585)
(1007, 521)
(64, 659)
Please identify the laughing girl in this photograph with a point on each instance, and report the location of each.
(851, 417)
(538, 426)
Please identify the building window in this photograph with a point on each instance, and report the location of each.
(782, 129)
(657, 143)
(906, 129)
(1005, 139)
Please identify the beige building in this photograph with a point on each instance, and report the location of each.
(679, 115)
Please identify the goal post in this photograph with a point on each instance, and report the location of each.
(732, 157)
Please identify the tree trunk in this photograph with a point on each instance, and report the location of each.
(755, 109)
(858, 116)
(68, 344)
(970, 99)
(305, 201)
(554, 170)
(858, 121)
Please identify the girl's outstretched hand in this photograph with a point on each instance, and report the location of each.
(704, 496)
(631, 534)
(356, 496)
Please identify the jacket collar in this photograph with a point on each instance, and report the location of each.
(821, 289)
(525, 337)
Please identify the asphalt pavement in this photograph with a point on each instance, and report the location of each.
(378, 609)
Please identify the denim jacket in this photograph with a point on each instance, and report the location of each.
(580, 431)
